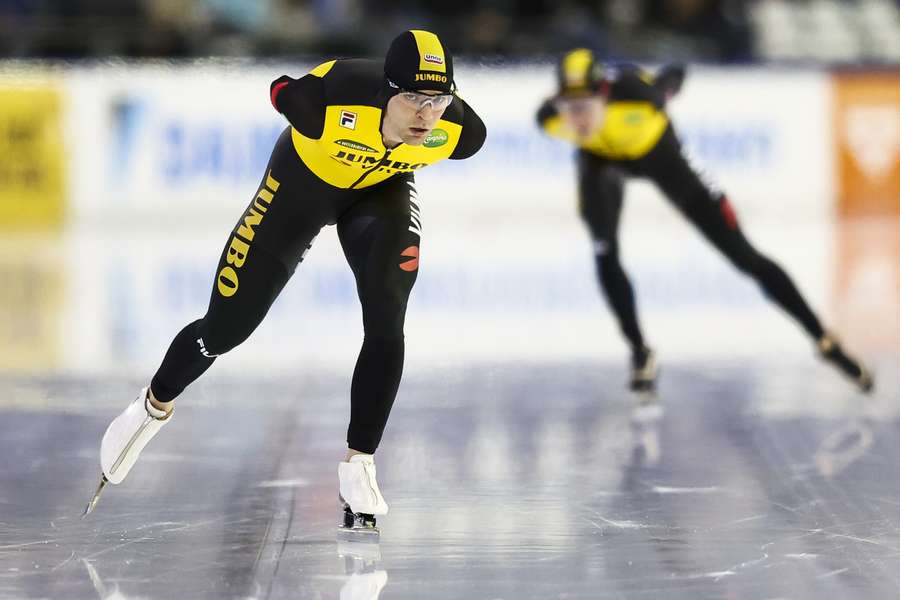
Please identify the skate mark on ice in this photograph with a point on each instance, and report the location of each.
(747, 519)
(116, 547)
(65, 562)
(283, 483)
(833, 573)
(663, 489)
(617, 524)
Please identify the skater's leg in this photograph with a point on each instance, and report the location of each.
(711, 212)
(258, 258)
(380, 237)
(601, 190)
(228, 322)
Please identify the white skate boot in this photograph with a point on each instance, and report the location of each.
(360, 498)
(124, 439)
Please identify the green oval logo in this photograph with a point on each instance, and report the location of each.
(437, 137)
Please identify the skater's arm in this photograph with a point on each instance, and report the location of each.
(301, 101)
(473, 132)
(550, 120)
(670, 79)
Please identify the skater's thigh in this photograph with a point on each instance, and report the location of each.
(270, 238)
(601, 187)
(290, 207)
(381, 236)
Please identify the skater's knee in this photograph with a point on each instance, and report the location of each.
(215, 339)
(606, 249)
(384, 312)
(385, 323)
(608, 263)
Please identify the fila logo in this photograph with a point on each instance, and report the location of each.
(434, 59)
(348, 119)
(203, 349)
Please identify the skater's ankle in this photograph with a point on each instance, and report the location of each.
(166, 407)
(351, 453)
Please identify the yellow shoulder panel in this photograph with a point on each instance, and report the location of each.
(322, 69)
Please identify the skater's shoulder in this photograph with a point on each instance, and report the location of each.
(473, 131)
(350, 80)
(628, 83)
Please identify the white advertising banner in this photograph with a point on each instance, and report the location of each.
(164, 159)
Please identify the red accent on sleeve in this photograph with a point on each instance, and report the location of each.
(275, 89)
(604, 88)
(728, 213)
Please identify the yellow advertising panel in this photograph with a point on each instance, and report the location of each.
(32, 189)
(32, 266)
(867, 128)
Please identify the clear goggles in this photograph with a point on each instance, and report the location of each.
(420, 101)
(579, 104)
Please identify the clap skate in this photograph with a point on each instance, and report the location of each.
(123, 441)
(360, 498)
(830, 350)
(643, 370)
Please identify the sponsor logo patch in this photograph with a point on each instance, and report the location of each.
(433, 59)
(411, 253)
(431, 77)
(354, 145)
(348, 119)
(437, 137)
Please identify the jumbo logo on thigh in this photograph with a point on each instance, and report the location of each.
(227, 280)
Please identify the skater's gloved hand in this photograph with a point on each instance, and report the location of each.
(275, 88)
(670, 79)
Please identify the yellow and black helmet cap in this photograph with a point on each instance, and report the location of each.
(417, 60)
(578, 73)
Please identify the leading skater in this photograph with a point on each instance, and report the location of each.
(617, 120)
(358, 131)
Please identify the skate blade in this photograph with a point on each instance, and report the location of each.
(96, 498)
(368, 535)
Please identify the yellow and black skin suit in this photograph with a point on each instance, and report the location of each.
(635, 138)
(331, 166)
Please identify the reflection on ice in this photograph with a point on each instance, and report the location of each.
(362, 561)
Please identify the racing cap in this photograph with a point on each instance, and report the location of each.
(578, 73)
(417, 60)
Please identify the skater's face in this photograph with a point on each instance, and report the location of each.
(582, 114)
(410, 116)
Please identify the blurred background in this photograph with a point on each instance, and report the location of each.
(133, 132)
(710, 30)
